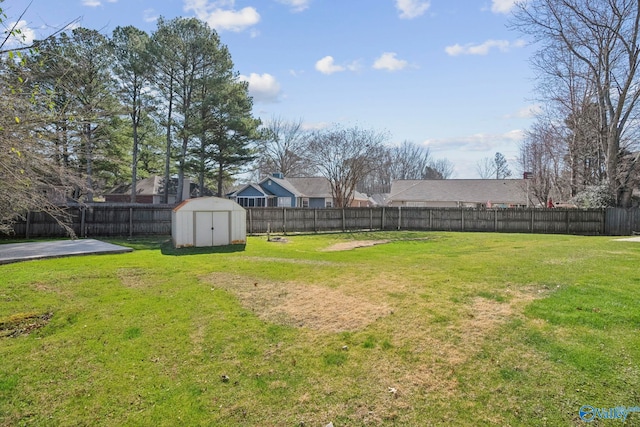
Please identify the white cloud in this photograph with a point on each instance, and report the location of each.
(527, 112)
(410, 9)
(315, 126)
(91, 3)
(354, 66)
(388, 61)
(327, 66)
(262, 87)
(221, 19)
(296, 5)
(25, 37)
(480, 142)
(502, 6)
(150, 15)
(483, 48)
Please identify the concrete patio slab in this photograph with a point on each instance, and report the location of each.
(14, 252)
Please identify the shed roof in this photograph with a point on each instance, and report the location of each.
(208, 204)
(511, 191)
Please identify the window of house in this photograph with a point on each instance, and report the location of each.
(305, 203)
(284, 202)
(328, 204)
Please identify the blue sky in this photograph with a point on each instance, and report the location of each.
(447, 74)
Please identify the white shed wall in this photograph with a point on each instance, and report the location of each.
(224, 219)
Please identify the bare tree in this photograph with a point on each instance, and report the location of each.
(486, 168)
(410, 161)
(601, 38)
(443, 169)
(541, 155)
(345, 157)
(496, 167)
(405, 161)
(30, 177)
(283, 148)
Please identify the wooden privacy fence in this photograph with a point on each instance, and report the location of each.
(561, 221)
(104, 220)
(101, 219)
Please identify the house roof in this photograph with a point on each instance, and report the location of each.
(379, 199)
(284, 183)
(312, 186)
(511, 191)
(149, 186)
(318, 187)
(246, 186)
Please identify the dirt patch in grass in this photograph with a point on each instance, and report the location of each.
(133, 277)
(347, 246)
(23, 324)
(294, 304)
(484, 316)
(448, 352)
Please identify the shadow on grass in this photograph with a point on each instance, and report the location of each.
(167, 249)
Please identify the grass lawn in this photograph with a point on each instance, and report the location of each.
(419, 329)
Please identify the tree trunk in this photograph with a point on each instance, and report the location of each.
(167, 159)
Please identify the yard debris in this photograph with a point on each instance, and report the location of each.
(225, 378)
(329, 425)
(393, 391)
(345, 347)
(23, 324)
(278, 239)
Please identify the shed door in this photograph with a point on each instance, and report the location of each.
(211, 228)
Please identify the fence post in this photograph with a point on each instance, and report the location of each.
(284, 220)
(131, 222)
(495, 220)
(382, 219)
(532, 218)
(315, 220)
(462, 217)
(370, 219)
(26, 231)
(250, 221)
(399, 217)
(430, 219)
(567, 220)
(344, 224)
(83, 218)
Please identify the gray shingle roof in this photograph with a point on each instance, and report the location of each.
(312, 186)
(284, 183)
(318, 187)
(152, 185)
(512, 191)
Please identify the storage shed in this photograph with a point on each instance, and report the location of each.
(208, 221)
